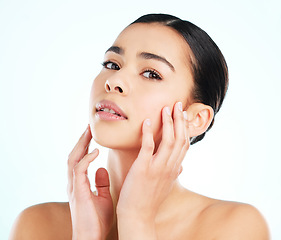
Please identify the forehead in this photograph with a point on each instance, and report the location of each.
(154, 38)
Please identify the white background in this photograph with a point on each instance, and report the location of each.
(50, 51)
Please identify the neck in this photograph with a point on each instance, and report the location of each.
(118, 166)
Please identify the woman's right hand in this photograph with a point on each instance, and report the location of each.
(91, 214)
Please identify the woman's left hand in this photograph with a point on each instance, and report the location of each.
(152, 176)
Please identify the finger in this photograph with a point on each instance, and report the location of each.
(180, 170)
(180, 135)
(76, 155)
(79, 151)
(185, 146)
(80, 170)
(147, 144)
(168, 138)
(70, 171)
(81, 145)
(187, 143)
(102, 182)
(186, 128)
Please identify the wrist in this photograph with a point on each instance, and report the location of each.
(141, 215)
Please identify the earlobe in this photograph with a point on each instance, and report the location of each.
(200, 117)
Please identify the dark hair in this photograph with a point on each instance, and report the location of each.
(209, 67)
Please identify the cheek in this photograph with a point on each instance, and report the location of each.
(96, 89)
(153, 103)
(97, 86)
(151, 107)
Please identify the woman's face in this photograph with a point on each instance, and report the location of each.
(146, 69)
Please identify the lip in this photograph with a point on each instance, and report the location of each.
(107, 115)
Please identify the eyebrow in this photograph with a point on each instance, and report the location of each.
(144, 55)
(147, 55)
(115, 49)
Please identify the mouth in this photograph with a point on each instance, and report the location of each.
(107, 110)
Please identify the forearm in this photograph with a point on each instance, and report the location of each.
(136, 228)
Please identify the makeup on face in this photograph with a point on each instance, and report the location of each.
(109, 111)
(141, 74)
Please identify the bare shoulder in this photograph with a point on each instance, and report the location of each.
(233, 220)
(43, 221)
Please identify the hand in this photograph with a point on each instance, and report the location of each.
(91, 214)
(152, 176)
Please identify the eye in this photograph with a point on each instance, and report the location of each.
(110, 65)
(151, 74)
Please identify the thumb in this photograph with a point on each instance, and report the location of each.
(102, 182)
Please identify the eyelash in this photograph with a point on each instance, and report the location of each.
(155, 74)
(104, 64)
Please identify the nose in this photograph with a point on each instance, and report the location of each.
(115, 87)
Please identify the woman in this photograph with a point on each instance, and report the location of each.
(163, 80)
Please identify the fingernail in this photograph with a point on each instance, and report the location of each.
(179, 106)
(184, 115)
(168, 111)
(147, 122)
(95, 150)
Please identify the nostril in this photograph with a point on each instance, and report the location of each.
(113, 87)
(119, 89)
(107, 87)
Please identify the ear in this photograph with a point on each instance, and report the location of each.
(199, 117)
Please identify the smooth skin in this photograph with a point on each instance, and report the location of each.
(139, 196)
(149, 178)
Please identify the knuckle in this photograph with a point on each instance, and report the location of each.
(72, 158)
(169, 143)
(169, 120)
(186, 145)
(149, 146)
(180, 115)
(182, 141)
(172, 175)
(169, 174)
(76, 170)
(179, 170)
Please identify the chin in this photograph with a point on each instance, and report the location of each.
(122, 140)
(117, 143)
